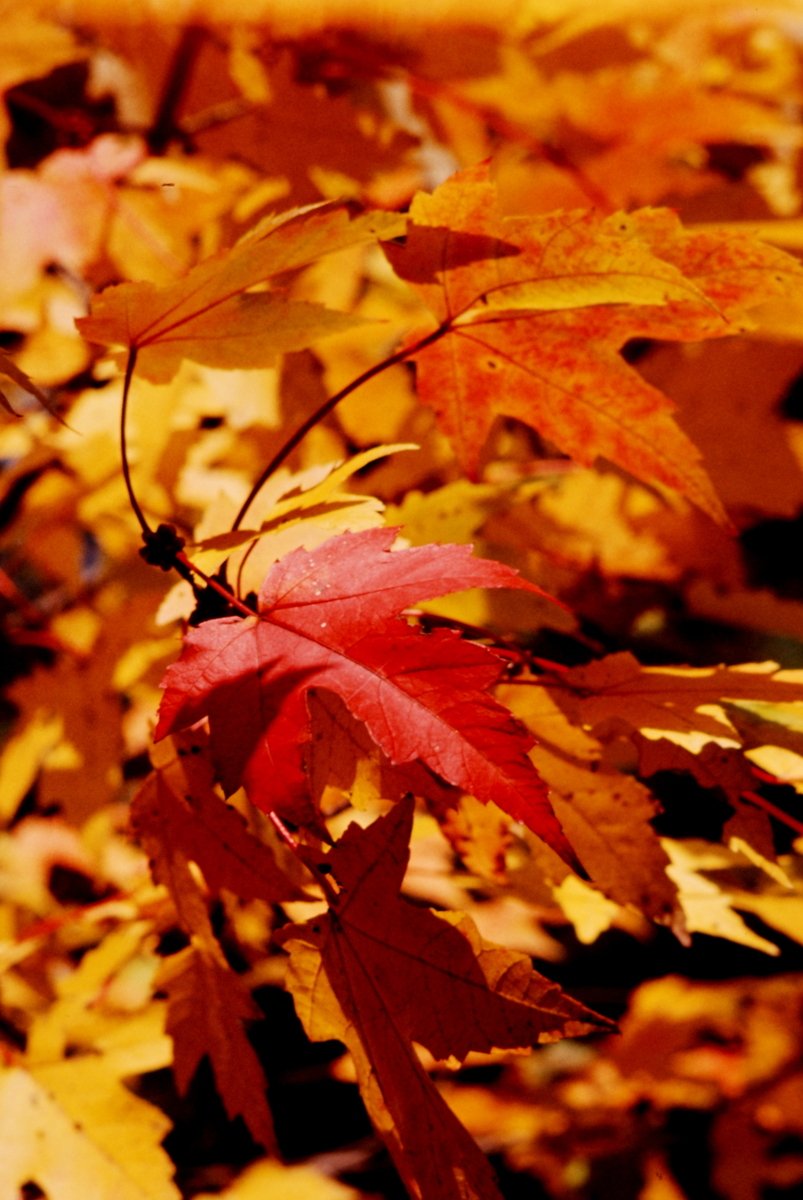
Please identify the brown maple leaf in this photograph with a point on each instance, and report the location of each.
(619, 689)
(380, 973)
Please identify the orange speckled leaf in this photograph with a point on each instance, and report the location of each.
(536, 310)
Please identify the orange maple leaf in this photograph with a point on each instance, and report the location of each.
(535, 311)
(619, 689)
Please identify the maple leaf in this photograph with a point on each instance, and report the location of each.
(212, 316)
(75, 1019)
(608, 816)
(22, 757)
(708, 907)
(10, 370)
(303, 509)
(740, 422)
(765, 723)
(535, 312)
(208, 1004)
(649, 126)
(479, 835)
(607, 812)
(207, 1001)
(619, 689)
(56, 216)
(178, 817)
(723, 768)
(380, 973)
(343, 760)
(82, 1128)
(177, 807)
(527, 316)
(329, 618)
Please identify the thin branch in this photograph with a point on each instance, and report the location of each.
(282, 830)
(774, 811)
(241, 567)
(226, 593)
(130, 365)
(176, 83)
(215, 115)
(324, 409)
(318, 870)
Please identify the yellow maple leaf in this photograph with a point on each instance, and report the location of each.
(83, 1128)
(212, 316)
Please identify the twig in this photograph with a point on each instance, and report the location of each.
(131, 363)
(773, 810)
(175, 87)
(226, 593)
(324, 409)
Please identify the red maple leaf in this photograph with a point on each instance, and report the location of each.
(331, 618)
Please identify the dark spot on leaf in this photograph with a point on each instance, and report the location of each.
(791, 403)
(733, 160)
(70, 886)
(637, 349)
(171, 942)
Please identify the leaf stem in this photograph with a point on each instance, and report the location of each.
(216, 586)
(774, 811)
(324, 409)
(241, 568)
(130, 365)
(175, 87)
(282, 830)
(316, 869)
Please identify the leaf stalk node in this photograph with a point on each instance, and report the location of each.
(162, 547)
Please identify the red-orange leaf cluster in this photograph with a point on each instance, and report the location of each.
(379, 296)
